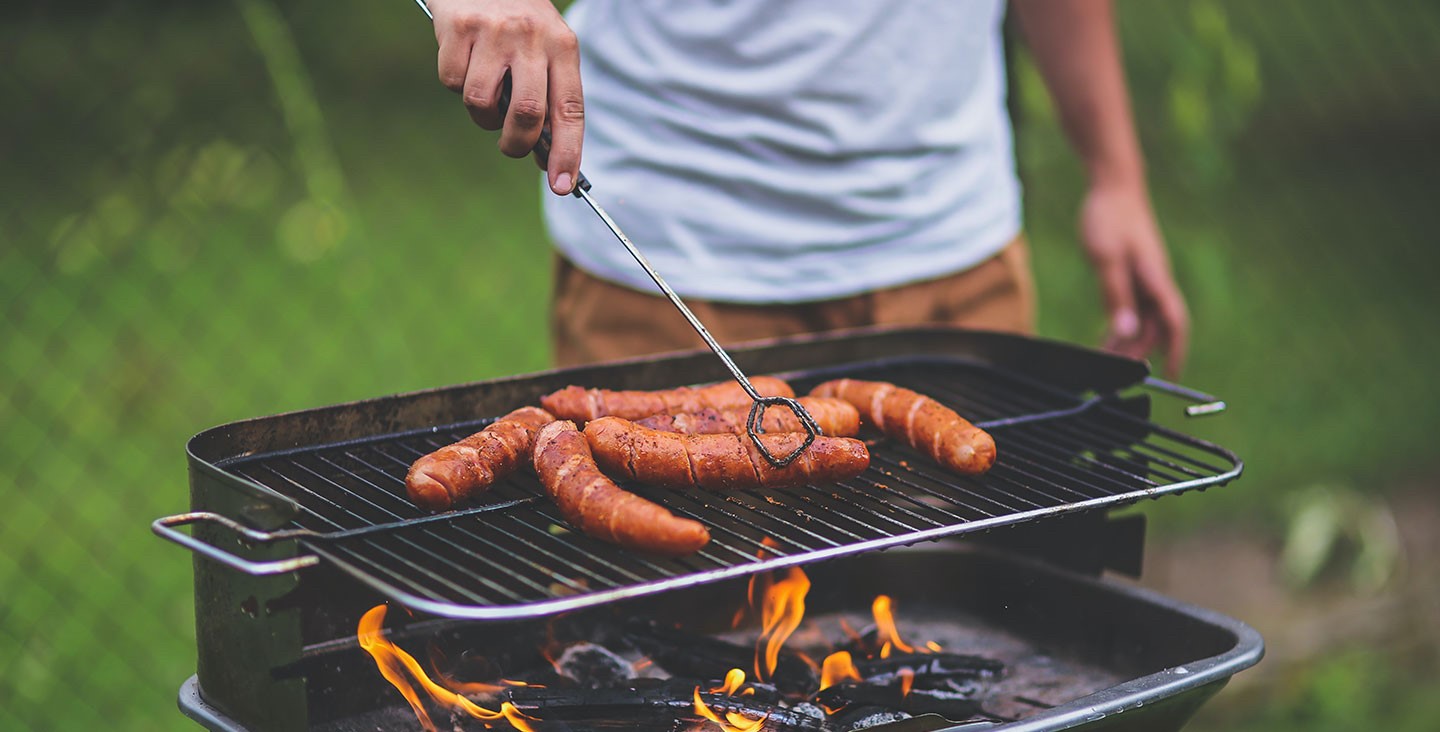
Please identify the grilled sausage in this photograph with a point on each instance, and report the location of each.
(578, 403)
(923, 423)
(596, 506)
(835, 417)
(625, 449)
(469, 467)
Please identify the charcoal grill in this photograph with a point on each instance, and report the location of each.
(309, 507)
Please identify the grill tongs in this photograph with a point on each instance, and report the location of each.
(760, 403)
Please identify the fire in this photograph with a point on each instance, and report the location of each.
(732, 721)
(907, 680)
(781, 613)
(885, 623)
(394, 663)
(837, 667)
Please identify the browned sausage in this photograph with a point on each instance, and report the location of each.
(593, 503)
(578, 403)
(625, 449)
(923, 423)
(836, 418)
(469, 467)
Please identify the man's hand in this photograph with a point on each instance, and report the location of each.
(481, 41)
(1078, 55)
(1145, 307)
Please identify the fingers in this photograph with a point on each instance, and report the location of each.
(567, 117)
(483, 83)
(483, 42)
(1117, 288)
(528, 104)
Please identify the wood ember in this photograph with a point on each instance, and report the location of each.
(593, 666)
(684, 653)
(850, 695)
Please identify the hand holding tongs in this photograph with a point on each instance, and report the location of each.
(757, 409)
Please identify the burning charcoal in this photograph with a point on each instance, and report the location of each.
(647, 702)
(593, 666)
(951, 705)
(683, 653)
(943, 671)
(852, 720)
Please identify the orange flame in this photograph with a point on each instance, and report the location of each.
(781, 613)
(907, 680)
(394, 663)
(837, 667)
(732, 721)
(885, 623)
(734, 679)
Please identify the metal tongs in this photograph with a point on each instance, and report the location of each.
(760, 403)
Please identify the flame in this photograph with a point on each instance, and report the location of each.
(837, 666)
(390, 659)
(766, 544)
(734, 679)
(885, 623)
(907, 680)
(932, 645)
(394, 663)
(732, 721)
(781, 613)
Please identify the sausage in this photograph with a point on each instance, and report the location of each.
(923, 423)
(592, 503)
(578, 403)
(720, 461)
(835, 417)
(469, 467)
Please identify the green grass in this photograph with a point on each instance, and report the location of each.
(168, 262)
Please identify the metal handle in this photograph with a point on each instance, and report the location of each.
(165, 528)
(1207, 403)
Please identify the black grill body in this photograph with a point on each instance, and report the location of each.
(1070, 445)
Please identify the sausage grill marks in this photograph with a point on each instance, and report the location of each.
(923, 423)
(836, 418)
(686, 438)
(719, 461)
(459, 471)
(593, 503)
(578, 403)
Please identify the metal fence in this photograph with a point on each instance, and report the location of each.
(211, 211)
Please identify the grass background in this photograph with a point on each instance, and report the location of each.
(212, 211)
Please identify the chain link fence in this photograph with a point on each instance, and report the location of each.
(212, 211)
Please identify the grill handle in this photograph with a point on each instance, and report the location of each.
(165, 528)
(1205, 403)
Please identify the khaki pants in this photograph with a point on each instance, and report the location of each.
(594, 320)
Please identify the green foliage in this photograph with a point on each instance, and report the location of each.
(215, 211)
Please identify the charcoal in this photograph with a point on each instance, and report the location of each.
(647, 702)
(683, 653)
(951, 705)
(858, 718)
(940, 671)
(593, 666)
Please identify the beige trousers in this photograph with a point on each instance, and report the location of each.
(595, 320)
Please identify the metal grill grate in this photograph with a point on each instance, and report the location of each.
(511, 556)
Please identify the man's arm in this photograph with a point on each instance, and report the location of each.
(483, 40)
(1075, 47)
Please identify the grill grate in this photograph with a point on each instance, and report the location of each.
(511, 556)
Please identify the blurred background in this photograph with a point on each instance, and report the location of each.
(213, 211)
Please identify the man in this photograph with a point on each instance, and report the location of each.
(802, 165)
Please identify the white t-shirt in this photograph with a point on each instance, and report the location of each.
(772, 151)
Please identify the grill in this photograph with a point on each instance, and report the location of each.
(322, 491)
